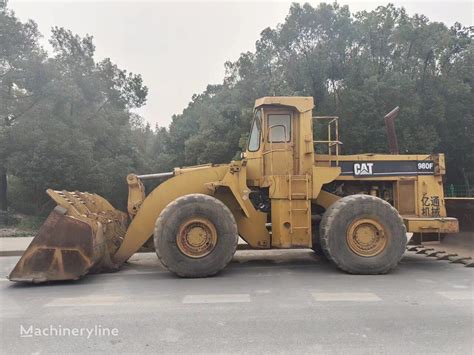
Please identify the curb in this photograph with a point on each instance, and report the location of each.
(14, 246)
(11, 252)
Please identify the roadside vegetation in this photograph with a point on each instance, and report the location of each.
(67, 121)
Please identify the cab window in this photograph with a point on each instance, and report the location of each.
(254, 140)
(280, 127)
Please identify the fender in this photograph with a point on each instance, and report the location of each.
(234, 192)
(142, 226)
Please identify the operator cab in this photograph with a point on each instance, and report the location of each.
(280, 127)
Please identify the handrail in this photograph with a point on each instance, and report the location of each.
(330, 142)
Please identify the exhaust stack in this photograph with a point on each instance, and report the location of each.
(391, 132)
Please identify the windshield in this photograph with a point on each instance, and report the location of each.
(254, 139)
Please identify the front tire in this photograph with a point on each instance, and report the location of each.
(363, 234)
(195, 236)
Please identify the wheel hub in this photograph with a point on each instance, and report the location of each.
(366, 237)
(196, 237)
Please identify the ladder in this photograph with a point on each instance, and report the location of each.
(299, 208)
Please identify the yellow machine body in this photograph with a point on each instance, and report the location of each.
(290, 171)
(295, 176)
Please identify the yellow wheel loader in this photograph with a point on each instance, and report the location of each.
(288, 191)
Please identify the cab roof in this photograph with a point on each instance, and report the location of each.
(300, 103)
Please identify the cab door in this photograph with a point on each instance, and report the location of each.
(278, 142)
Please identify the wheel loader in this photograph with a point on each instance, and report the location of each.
(289, 190)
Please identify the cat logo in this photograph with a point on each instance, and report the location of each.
(363, 169)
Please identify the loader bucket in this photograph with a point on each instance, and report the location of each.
(55, 255)
(78, 237)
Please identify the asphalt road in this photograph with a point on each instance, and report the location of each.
(264, 302)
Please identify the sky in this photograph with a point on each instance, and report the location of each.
(181, 47)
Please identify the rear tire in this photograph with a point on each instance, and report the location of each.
(363, 234)
(195, 236)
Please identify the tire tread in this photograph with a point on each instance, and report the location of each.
(330, 217)
(171, 207)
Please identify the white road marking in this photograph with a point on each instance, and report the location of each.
(170, 335)
(428, 281)
(346, 296)
(457, 295)
(135, 272)
(218, 298)
(92, 300)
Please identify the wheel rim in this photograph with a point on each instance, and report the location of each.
(196, 238)
(366, 237)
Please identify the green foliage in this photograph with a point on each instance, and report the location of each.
(357, 66)
(30, 223)
(66, 120)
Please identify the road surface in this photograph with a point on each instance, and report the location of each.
(264, 302)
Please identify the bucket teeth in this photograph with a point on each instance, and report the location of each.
(424, 250)
(441, 255)
(446, 256)
(434, 254)
(460, 260)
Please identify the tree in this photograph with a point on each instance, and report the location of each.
(22, 75)
(357, 66)
(67, 119)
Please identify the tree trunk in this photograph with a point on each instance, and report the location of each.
(3, 190)
(3, 197)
